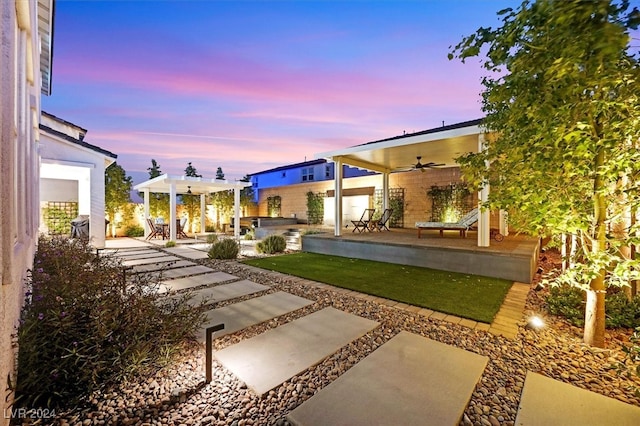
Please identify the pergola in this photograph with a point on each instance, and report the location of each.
(440, 145)
(175, 185)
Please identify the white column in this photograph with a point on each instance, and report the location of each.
(483, 196)
(145, 193)
(172, 212)
(337, 172)
(203, 215)
(236, 213)
(385, 191)
(504, 224)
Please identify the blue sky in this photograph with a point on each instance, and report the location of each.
(251, 85)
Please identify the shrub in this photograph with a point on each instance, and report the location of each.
(272, 244)
(170, 244)
(210, 228)
(249, 236)
(83, 330)
(622, 312)
(134, 231)
(224, 249)
(212, 238)
(569, 302)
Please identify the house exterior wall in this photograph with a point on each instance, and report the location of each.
(299, 173)
(19, 114)
(84, 165)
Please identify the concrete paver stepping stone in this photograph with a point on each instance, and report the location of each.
(188, 252)
(142, 261)
(138, 254)
(410, 380)
(251, 312)
(183, 272)
(195, 281)
(265, 361)
(226, 291)
(546, 401)
(165, 266)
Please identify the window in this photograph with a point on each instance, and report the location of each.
(327, 171)
(284, 174)
(307, 174)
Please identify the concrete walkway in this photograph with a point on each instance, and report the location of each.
(410, 380)
(265, 361)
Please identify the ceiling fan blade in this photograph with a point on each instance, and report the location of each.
(432, 164)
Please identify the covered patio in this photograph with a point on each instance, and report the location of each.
(177, 185)
(440, 146)
(514, 258)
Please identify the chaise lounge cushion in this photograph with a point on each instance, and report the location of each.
(462, 225)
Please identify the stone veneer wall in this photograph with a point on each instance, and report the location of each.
(415, 183)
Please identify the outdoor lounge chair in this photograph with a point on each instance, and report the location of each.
(154, 230)
(463, 225)
(365, 220)
(381, 223)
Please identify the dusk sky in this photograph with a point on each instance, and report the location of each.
(251, 85)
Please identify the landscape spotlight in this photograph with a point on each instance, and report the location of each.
(535, 323)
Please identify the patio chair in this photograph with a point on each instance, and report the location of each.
(381, 223)
(463, 225)
(180, 223)
(154, 230)
(365, 220)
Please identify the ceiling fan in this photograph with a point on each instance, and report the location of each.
(420, 166)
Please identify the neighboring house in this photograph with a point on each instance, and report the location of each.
(306, 172)
(315, 176)
(71, 179)
(26, 31)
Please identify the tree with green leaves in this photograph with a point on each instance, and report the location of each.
(562, 103)
(247, 195)
(158, 202)
(117, 194)
(191, 202)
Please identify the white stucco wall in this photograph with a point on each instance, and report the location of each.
(19, 115)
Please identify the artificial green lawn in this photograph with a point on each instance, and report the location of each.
(468, 296)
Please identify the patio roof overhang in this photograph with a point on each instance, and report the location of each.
(439, 145)
(184, 184)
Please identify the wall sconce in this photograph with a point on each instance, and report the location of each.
(188, 190)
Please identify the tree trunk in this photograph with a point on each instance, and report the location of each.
(594, 320)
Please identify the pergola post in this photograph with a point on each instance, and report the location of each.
(147, 230)
(338, 197)
(172, 212)
(236, 213)
(203, 216)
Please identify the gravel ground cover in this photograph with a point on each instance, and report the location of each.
(180, 396)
